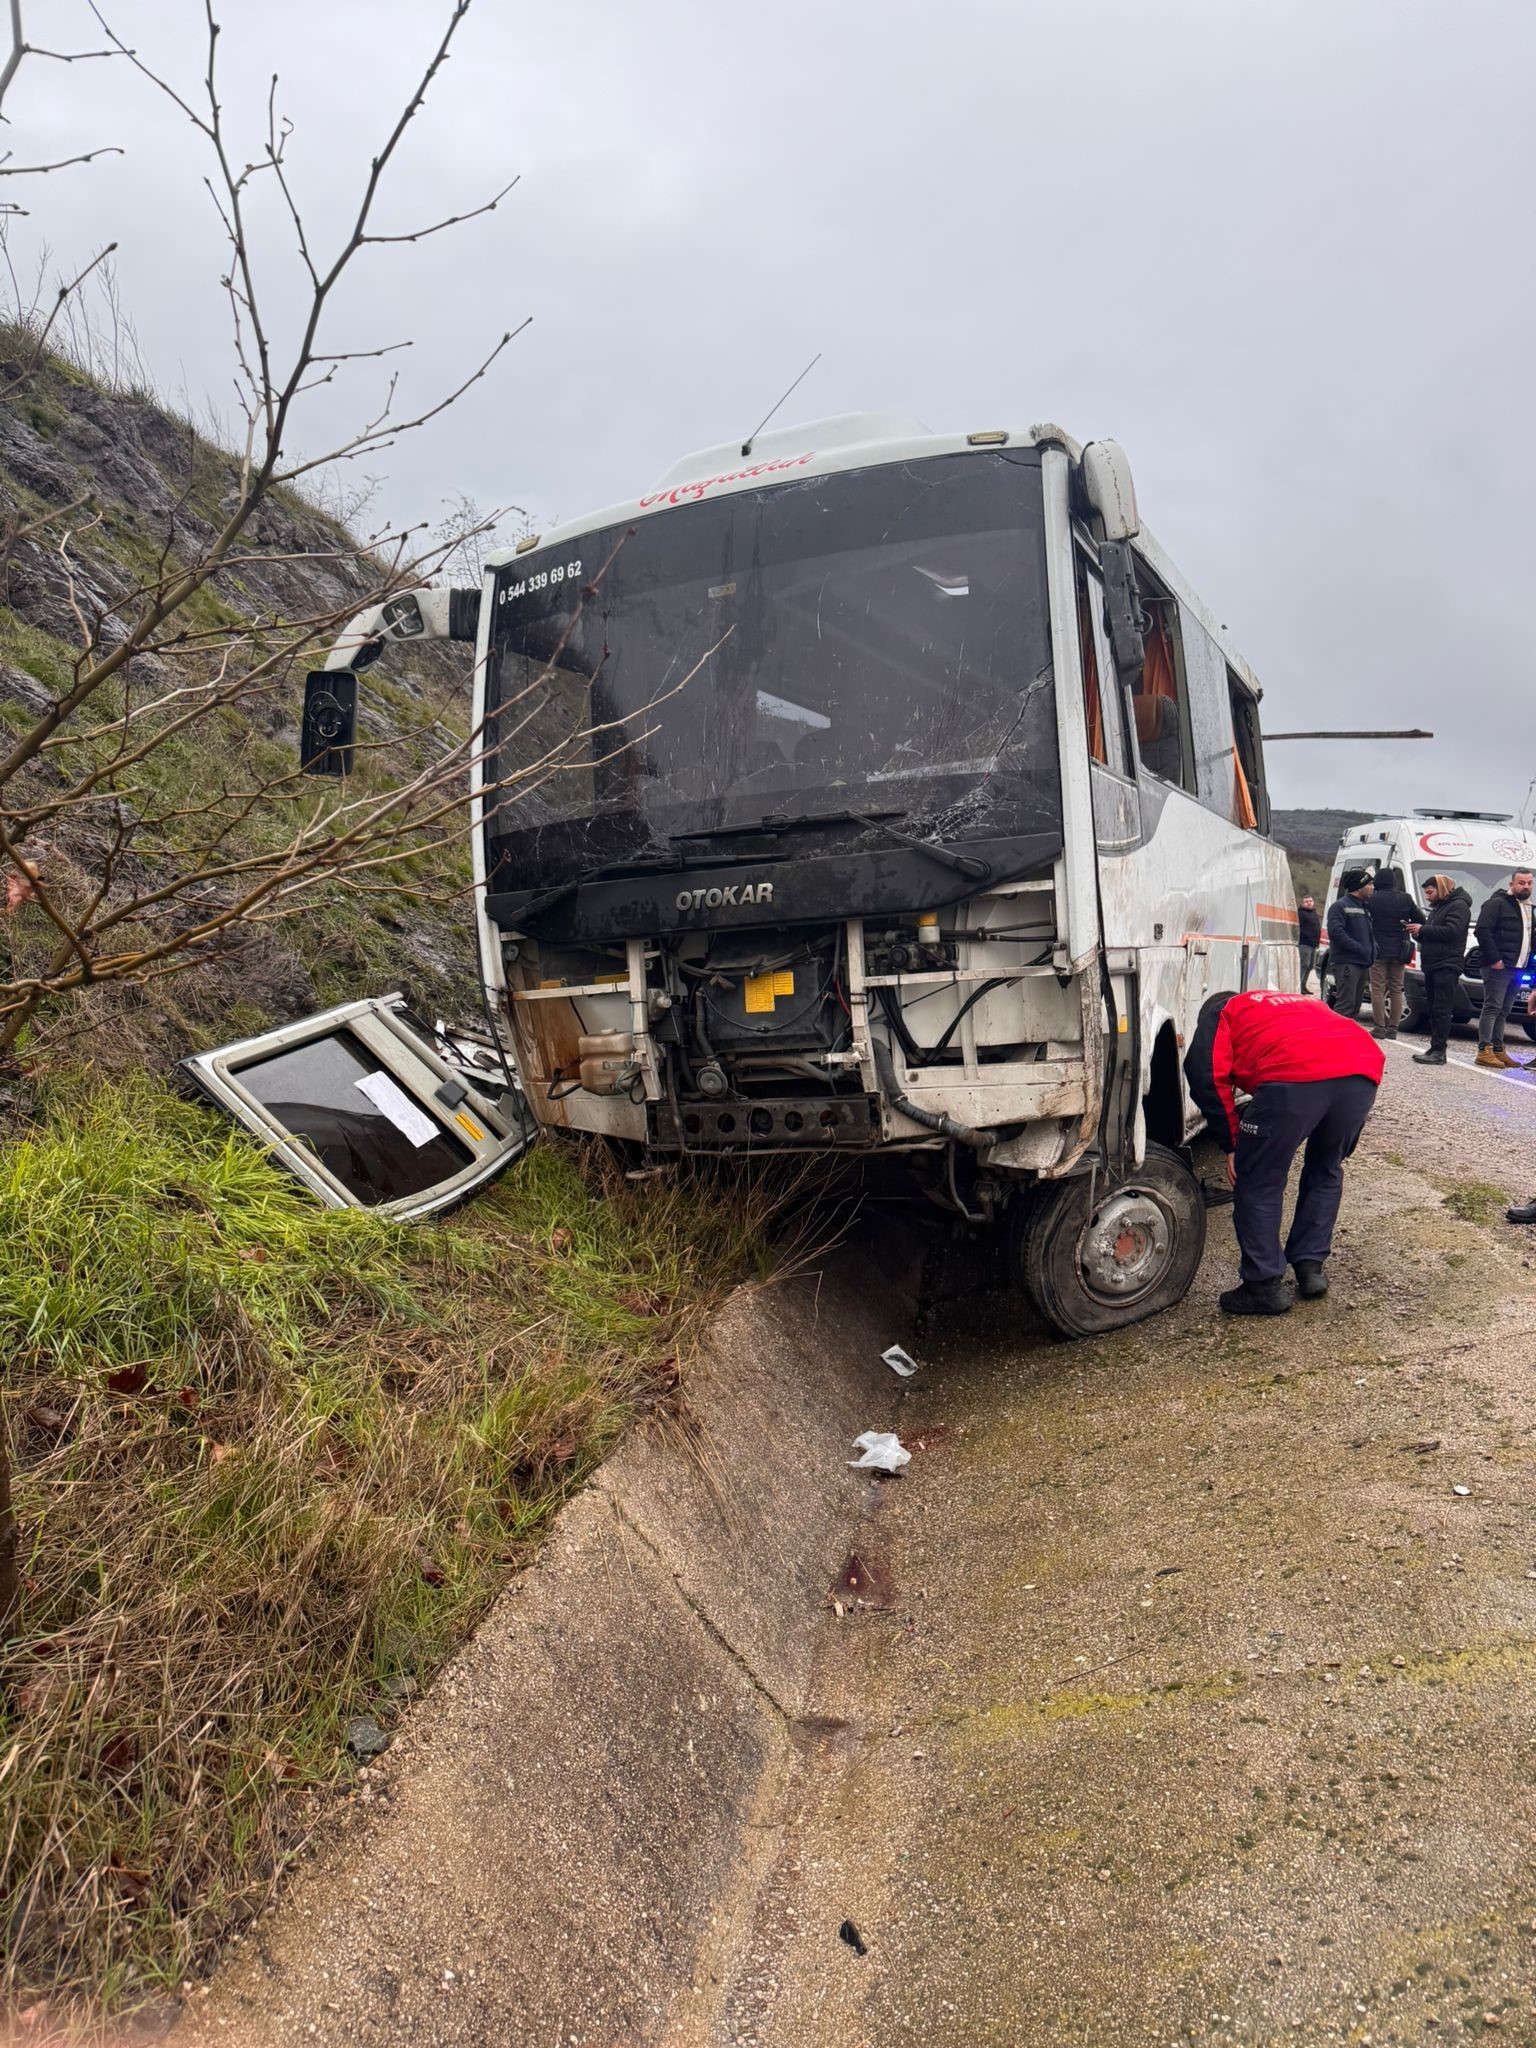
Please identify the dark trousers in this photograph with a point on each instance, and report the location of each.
(1327, 1118)
(1499, 991)
(1308, 962)
(1440, 989)
(1349, 980)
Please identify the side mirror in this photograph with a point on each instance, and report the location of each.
(402, 618)
(329, 731)
(1127, 621)
(1109, 489)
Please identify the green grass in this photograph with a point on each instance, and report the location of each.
(1474, 1201)
(270, 1461)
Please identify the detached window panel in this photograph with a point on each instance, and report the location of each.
(366, 1109)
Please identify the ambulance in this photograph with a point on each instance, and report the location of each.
(1478, 849)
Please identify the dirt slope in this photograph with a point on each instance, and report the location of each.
(144, 472)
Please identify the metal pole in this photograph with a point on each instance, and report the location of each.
(1270, 737)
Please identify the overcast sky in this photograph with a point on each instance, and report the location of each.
(1278, 248)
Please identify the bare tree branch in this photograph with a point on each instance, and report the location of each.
(19, 49)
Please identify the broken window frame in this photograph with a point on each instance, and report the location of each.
(417, 1062)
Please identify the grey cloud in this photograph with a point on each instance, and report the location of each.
(1276, 249)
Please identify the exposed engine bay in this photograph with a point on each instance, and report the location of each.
(937, 1028)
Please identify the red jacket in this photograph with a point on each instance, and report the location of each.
(1264, 1036)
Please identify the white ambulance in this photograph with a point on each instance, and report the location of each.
(1478, 849)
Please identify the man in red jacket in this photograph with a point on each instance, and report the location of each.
(1311, 1078)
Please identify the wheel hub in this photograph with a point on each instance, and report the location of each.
(1127, 1245)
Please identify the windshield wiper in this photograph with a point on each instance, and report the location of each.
(781, 821)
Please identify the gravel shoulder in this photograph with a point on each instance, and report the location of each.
(1204, 1707)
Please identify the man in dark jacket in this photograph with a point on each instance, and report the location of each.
(1309, 929)
(1351, 939)
(1504, 948)
(1392, 910)
(1311, 1078)
(1442, 955)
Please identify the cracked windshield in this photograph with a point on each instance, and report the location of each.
(876, 641)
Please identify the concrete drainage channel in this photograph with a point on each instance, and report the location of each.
(567, 1839)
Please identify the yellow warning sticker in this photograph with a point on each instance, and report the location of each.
(761, 991)
(467, 1124)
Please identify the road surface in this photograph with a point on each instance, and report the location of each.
(1202, 1707)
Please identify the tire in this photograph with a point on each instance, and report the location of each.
(1148, 1234)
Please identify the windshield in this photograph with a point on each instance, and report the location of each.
(873, 641)
(1479, 879)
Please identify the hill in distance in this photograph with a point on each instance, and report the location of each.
(1311, 839)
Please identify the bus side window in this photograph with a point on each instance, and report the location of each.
(1103, 699)
(1159, 702)
(1252, 793)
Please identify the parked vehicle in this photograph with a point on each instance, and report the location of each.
(867, 791)
(1478, 849)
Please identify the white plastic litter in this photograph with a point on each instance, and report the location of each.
(1462, 1490)
(883, 1451)
(900, 1361)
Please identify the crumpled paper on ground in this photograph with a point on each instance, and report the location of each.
(883, 1451)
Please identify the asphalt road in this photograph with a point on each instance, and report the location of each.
(1196, 1697)
(1487, 1120)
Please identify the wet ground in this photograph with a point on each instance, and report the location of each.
(1197, 1702)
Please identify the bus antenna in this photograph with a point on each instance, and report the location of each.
(746, 446)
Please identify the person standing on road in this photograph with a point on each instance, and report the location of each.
(1309, 929)
(1392, 910)
(1442, 955)
(1504, 947)
(1351, 939)
(1311, 1077)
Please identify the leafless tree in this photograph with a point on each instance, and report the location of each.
(469, 535)
(122, 881)
(114, 869)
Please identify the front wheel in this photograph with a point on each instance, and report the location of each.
(1131, 1254)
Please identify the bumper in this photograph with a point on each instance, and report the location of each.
(818, 1124)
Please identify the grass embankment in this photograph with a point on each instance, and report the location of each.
(271, 1463)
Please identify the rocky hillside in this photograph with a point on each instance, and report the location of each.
(141, 478)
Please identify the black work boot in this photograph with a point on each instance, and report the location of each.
(1435, 1057)
(1311, 1279)
(1266, 1298)
(1525, 1213)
